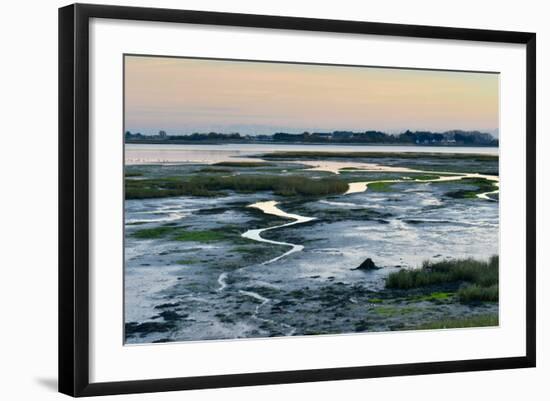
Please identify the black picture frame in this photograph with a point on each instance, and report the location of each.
(74, 201)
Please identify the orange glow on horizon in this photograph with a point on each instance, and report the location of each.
(182, 95)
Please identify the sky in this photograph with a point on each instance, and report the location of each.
(182, 96)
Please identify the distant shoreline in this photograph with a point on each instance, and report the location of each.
(412, 145)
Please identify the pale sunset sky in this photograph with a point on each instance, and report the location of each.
(183, 96)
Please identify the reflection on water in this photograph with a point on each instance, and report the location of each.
(152, 153)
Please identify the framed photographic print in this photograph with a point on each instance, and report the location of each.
(250, 199)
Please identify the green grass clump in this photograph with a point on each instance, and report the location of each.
(472, 293)
(480, 277)
(213, 185)
(427, 177)
(375, 300)
(164, 187)
(152, 233)
(482, 185)
(281, 185)
(200, 236)
(132, 174)
(439, 295)
(472, 321)
(433, 297)
(470, 270)
(380, 186)
(407, 279)
(181, 233)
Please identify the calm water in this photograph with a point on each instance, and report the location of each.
(152, 153)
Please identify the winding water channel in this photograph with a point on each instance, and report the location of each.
(303, 282)
(271, 208)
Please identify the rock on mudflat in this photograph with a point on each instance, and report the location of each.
(367, 265)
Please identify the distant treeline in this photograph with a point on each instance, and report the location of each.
(447, 138)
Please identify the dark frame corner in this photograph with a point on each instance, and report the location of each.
(74, 191)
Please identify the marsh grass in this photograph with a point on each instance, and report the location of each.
(481, 184)
(377, 155)
(479, 278)
(485, 320)
(433, 297)
(152, 233)
(381, 186)
(243, 164)
(201, 236)
(428, 177)
(214, 185)
(375, 300)
(473, 293)
(215, 170)
(132, 174)
(163, 187)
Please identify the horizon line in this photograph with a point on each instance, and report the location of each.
(316, 131)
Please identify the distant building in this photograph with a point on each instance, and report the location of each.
(162, 134)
